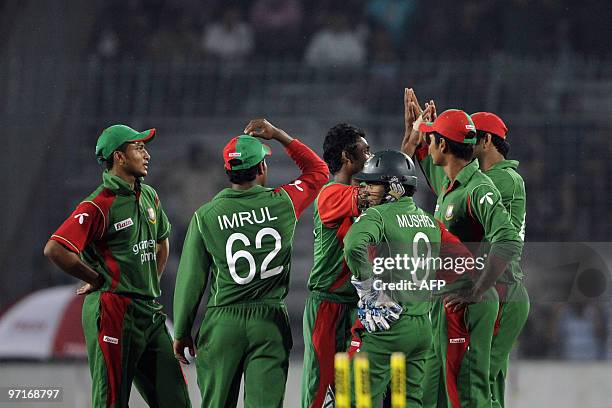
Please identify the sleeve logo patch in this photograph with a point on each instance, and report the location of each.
(487, 197)
(151, 215)
(81, 217)
(296, 184)
(123, 224)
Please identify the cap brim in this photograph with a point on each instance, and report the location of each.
(426, 127)
(145, 136)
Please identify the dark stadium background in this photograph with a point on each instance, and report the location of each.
(68, 69)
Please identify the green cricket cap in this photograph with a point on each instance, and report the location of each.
(114, 136)
(243, 152)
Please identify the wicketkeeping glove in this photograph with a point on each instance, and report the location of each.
(396, 190)
(375, 309)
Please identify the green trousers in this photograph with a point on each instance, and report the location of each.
(458, 364)
(251, 340)
(512, 315)
(327, 331)
(411, 335)
(127, 341)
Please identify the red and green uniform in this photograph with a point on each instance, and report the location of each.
(330, 308)
(398, 229)
(115, 231)
(471, 208)
(513, 297)
(241, 241)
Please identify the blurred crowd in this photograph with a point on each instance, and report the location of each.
(376, 34)
(352, 32)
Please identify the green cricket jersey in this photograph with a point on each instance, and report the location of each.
(241, 241)
(334, 210)
(512, 189)
(471, 208)
(115, 231)
(404, 238)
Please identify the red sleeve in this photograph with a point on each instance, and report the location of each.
(315, 174)
(336, 203)
(84, 225)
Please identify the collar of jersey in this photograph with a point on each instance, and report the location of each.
(117, 184)
(505, 164)
(228, 192)
(464, 176)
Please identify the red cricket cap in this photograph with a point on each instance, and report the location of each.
(490, 122)
(243, 152)
(454, 124)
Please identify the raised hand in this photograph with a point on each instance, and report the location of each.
(261, 128)
(265, 130)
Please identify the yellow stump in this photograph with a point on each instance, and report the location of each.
(361, 367)
(342, 380)
(398, 380)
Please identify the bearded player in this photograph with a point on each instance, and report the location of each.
(241, 242)
(117, 241)
(330, 308)
(491, 150)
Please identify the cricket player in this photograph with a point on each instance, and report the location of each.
(470, 207)
(397, 229)
(116, 240)
(491, 150)
(330, 308)
(241, 242)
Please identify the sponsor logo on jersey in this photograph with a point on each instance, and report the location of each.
(487, 197)
(123, 224)
(235, 154)
(296, 184)
(457, 340)
(111, 340)
(470, 127)
(151, 215)
(449, 212)
(81, 217)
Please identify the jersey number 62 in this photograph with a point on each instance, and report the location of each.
(233, 257)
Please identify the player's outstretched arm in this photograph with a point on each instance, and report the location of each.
(413, 143)
(315, 173)
(412, 110)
